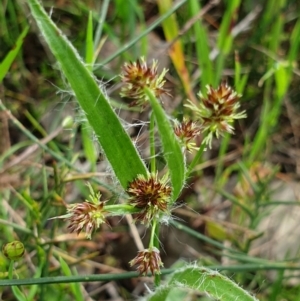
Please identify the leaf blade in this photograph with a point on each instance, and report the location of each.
(112, 136)
(171, 148)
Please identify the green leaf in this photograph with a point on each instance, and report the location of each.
(115, 142)
(8, 60)
(171, 148)
(205, 281)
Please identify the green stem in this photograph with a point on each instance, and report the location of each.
(196, 159)
(157, 277)
(75, 279)
(154, 242)
(152, 144)
(11, 270)
(153, 233)
(120, 209)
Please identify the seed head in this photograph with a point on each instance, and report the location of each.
(217, 110)
(150, 195)
(148, 260)
(186, 131)
(136, 76)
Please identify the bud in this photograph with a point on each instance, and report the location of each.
(68, 122)
(13, 250)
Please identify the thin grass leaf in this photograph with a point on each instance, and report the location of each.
(272, 102)
(10, 57)
(225, 37)
(149, 28)
(171, 148)
(117, 146)
(202, 47)
(16, 291)
(86, 130)
(98, 34)
(176, 53)
(239, 79)
(75, 287)
(34, 288)
(89, 43)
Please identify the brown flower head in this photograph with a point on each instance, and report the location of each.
(218, 110)
(186, 131)
(86, 217)
(136, 76)
(148, 260)
(150, 195)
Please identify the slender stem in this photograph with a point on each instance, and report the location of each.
(157, 277)
(75, 279)
(110, 277)
(152, 144)
(153, 232)
(16, 226)
(120, 209)
(155, 243)
(235, 201)
(11, 270)
(196, 159)
(104, 9)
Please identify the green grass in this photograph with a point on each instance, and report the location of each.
(60, 130)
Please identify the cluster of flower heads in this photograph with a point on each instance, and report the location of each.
(215, 112)
(149, 194)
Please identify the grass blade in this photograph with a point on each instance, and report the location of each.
(86, 130)
(176, 53)
(6, 63)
